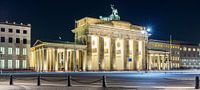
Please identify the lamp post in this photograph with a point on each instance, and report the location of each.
(74, 65)
(147, 31)
(170, 51)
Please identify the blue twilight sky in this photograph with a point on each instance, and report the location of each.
(54, 19)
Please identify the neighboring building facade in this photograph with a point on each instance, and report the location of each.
(189, 56)
(162, 55)
(14, 45)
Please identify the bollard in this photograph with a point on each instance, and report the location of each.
(104, 81)
(197, 82)
(11, 79)
(38, 80)
(69, 80)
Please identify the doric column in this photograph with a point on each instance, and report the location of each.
(45, 59)
(42, 58)
(163, 62)
(141, 51)
(126, 54)
(84, 60)
(158, 61)
(101, 53)
(131, 55)
(112, 53)
(119, 62)
(107, 51)
(66, 59)
(37, 60)
(150, 61)
(55, 61)
(135, 54)
(89, 52)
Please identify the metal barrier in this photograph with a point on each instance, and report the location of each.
(11, 79)
(38, 80)
(197, 82)
(69, 80)
(104, 81)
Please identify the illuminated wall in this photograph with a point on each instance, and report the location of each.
(119, 56)
(106, 62)
(47, 56)
(112, 45)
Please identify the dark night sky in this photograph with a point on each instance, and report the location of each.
(53, 18)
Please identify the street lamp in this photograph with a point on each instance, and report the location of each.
(147, 31)
(75, 68)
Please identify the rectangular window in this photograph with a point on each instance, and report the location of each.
(10, 30)
(17, 51)
(17, 31)
(24, 41)
(24, 32)
(3, 30)
(17, 64)
(9, 50)
(2, 39)
(24, 51)
(2, 64)
(2, 50)
(24, 64)
(17, 40)
(9, 64)
(10, 40)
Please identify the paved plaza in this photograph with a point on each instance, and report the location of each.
(155, 80)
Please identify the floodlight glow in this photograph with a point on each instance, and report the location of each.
(143, 31)
(148, 29)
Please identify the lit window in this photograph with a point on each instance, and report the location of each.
(189, 49)
(197, 49)
(184, 48)
(17, 51)
(2, 50)
(2, 64)
(10, 64)
(24, 63)
(17, 63)
(9, 50)
(24, 51)
(180, 48)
